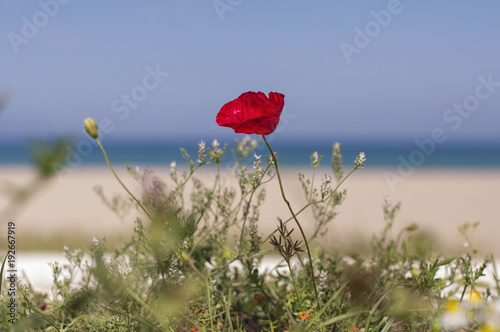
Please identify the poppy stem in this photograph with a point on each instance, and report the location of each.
(295, 218)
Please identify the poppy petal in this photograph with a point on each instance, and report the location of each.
(252, 113)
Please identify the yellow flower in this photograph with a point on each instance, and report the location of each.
(453, 305)
(475, 296)
(489, 327)
(454, 316)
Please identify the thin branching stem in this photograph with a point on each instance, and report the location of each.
(294, 283)
(294, 217)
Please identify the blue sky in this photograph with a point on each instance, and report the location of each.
(398, 80)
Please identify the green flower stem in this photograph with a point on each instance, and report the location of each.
(312, 185)
(294, 283)
(116, 176)
(295, 218)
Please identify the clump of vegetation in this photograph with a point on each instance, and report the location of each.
(195, 263)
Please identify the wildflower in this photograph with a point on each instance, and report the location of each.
(258, 170)
(474, 297)
(258, 298)
(216, 153)
(338, 168)
(195, 329)
(202, 152)
(489, 327)
(252, 113)
(153, 188)
(304, 315)
(257, 163)
(360, 161)
(95, 241)
(315, 159)
(454, 316)
(243, 147)
(91, 127)
(270, 160)
(322, 280)
(353, 327)
(284, 245)
(325, 186)
(173, 171)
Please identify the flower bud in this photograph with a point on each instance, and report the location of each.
(411, 227)
(91, 127)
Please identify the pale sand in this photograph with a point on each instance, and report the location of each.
(438, 200)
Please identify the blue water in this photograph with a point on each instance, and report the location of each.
(379, 154)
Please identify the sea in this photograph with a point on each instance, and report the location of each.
(379, 154)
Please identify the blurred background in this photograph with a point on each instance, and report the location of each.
(414, 84)
(380, 73)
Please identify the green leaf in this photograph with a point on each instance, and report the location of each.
(445, 261)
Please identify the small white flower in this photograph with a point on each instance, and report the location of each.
(209, 266)
(315, 156)
(257, 163)
(202, 152)
(360, 160)
(454, 316)
(325, 185)
(315, 159)
(253, 144)
(216, 153)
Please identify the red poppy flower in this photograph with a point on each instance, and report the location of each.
(252, 113)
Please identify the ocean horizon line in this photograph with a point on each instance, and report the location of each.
(290, 153)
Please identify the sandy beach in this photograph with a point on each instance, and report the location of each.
(438, 200)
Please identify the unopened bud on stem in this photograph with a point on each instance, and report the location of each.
(411, 227)
(91, 127)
